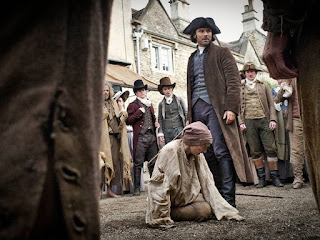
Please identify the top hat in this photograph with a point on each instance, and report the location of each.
(165, 82)
(138, 84)
(201, 22)
(249, 66)
(124, 95)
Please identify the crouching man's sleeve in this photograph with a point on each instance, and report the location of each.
(159, 202)
(220, 207)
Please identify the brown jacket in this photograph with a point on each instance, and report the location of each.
(52, 70)
(265, 97)
(223, 85)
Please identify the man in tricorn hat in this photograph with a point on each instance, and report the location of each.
(141, 117)
(258, 120)
(172, 112)
(214, 99)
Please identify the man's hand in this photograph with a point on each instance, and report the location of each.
(243, 127)
(277, 57)
(272, 125)
(230, 116)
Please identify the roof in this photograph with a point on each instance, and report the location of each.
(125, 77)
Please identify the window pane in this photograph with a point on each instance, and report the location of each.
(165, 59)
(155, 57)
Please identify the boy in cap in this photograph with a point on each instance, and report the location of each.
(141, 117)
(182, 187)
(213, 87)
(172, 112)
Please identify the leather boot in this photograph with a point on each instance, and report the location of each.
(228, 181)
(137, 179)
(262, 178)
(273, 166)
(275, 178)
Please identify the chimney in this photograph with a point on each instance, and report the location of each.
(249, 20)
(180, 14)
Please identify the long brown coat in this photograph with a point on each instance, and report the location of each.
(53, 58)
(223, 85)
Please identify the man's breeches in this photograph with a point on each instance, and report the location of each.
(260, 138)
(297, 149)
(146, 149)
(199, 210)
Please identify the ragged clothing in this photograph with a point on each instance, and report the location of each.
(177, 181)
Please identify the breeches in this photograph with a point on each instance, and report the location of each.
(199, 210)
(260, 138)
(146, 149)
(297, 149)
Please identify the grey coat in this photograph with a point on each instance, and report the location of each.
(162, 112)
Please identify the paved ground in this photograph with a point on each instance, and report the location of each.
(293, 216)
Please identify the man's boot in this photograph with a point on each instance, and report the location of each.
(275, 178)
(137, 179)
(262, 178)
(258, 163)
(273, 166)
(228, 181)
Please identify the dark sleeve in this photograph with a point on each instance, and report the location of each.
(285, 16)
(134, 114)
(160, 117)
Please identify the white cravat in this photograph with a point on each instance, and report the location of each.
(251, 84)
(145, 101)
(168, 99)
(201, 49)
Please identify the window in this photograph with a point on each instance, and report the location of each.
(162, 58)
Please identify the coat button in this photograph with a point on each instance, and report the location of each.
(79, 222)
(65, 119)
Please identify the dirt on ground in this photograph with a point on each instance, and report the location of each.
(276, 213)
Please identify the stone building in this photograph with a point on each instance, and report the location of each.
(151, 44)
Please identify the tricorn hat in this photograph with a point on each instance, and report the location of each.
(201, 22)
(249, 66)
(165, 82)
(124, 95)
(138, 84)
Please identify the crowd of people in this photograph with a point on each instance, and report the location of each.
(249, 129)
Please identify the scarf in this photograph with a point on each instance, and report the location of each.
(168, 99)
(145, 101)
(251, 84)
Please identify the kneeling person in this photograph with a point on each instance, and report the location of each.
(182, 187)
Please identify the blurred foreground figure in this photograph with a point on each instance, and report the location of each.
(292, 45)
(53, 58)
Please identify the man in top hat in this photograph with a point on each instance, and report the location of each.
(258, 120)
(172, 112)
(213, 87)
(141, 117)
